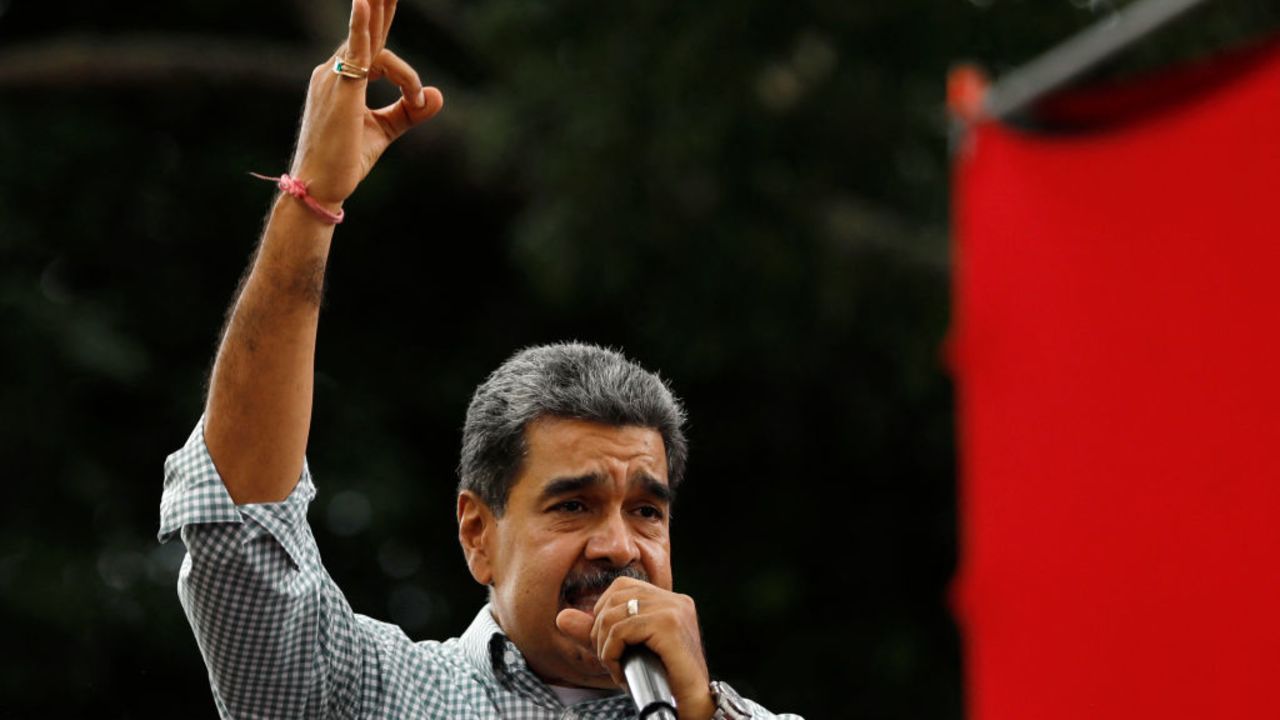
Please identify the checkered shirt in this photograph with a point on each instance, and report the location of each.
(280, 640)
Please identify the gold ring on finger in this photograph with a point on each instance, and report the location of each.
(347, 69)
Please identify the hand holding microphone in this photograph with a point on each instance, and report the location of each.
(647, 678)
(655, 629)
(647, 684)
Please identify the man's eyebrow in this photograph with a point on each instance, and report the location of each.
(654, 487)
(569, 485)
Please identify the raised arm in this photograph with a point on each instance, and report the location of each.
(258, 413)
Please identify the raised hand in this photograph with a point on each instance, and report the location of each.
(341, 138)
(259, 411)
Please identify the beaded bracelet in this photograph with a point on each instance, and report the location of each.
(295, 187)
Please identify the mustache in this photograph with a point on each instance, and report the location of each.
(597, 579)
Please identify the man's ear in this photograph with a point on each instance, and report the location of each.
(477, 531)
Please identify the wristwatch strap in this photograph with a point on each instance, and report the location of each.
(729, 704)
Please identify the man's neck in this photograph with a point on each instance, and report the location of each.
(573, 695)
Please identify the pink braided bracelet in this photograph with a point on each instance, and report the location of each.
(298, 189)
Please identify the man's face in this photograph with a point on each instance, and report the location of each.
(589, 498)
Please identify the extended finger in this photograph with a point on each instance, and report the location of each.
(395, 69)
(389, 15)
(376, 13)
(358, 51)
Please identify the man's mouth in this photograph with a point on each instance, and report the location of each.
(584, 601)
(581, 590)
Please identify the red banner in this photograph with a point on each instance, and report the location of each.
(1117, 354)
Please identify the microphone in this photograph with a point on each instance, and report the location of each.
(647, 683)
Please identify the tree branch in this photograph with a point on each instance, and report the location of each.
(78, 60)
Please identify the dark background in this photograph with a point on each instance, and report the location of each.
(750, 197)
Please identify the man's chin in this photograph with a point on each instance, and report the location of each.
(599, 681)
(587, 669)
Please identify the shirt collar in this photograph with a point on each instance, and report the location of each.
(479, 642)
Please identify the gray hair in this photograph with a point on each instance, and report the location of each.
(567, 380)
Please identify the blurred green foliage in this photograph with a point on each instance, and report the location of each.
(750, 197)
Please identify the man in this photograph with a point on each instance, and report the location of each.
(570, 457)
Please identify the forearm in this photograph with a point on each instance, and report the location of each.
(259, 408)
(258, 412)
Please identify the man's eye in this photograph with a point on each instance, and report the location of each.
(570, 506)
(649, 512)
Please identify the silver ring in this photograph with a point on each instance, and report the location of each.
(633, 607)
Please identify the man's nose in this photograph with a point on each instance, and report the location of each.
(611, 539)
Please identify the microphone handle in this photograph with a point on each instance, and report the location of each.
(647, 681)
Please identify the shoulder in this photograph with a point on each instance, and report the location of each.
(430, 677)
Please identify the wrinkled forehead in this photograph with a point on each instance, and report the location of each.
(565, 448)
(639, 484)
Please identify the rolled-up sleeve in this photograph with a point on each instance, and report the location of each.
(277, 635)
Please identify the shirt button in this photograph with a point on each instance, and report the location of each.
(570, 715)
(509, 657)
